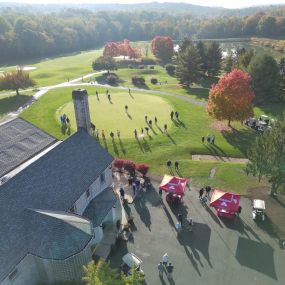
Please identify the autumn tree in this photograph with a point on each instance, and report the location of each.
(267, 156)
(101, 273)
(104, 63)
(162, 48)
(16, 80)
(231, 98)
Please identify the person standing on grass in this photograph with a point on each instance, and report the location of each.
(126, 108)
(160, 268)
(136, 133)
(208, 138)
(203, 139)
(150, 123)
(171, 115)
(129, 91)
(165, 128)
(145, 117)
(118, 134)
(155, 119)
(103, 135)
(97, 94)
(97, 134)
(112, 135)
(176, 164)
(176, 115)
(213, 139)
(109, 97)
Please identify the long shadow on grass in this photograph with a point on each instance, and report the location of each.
(159, 128)
(240, 139)
(122, 146)
(115, 147)
(12, 103)
(171, 138)
(139, 144)
(145, 145)
(215, 150)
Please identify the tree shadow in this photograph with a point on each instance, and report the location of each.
(240, 139)
(13, 103)
(143, 212)
(197, 245)
(122, 146)
(257, 256)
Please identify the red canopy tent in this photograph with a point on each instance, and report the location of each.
(174, 186)
(226, 203)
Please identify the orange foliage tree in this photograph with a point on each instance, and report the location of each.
(124, 48)
(162, 47)
(231, 98)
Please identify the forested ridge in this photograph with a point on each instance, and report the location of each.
(27, 35)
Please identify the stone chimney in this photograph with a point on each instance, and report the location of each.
(81, 108)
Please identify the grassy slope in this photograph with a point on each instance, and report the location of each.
(182, 142)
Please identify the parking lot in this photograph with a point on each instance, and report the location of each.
(216, 252)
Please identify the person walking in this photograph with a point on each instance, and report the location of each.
(203, 139)
(176, 115)
(145, 117)
(97, 94)
(150, 123)
(160, 194)
(213, 139)
(176, 164)
(208, 138)
(97, 134)
(155, 119)
(165, 128)
(122, 194)
(160, 268)
(112, 135)
(171, 115)
(208, 190)
(126, 108)
(180, 218)
(147, 129)
(165, 259)
(169, 270)
(201, 192)
(118, 134)
(109, 97)
(103, 135)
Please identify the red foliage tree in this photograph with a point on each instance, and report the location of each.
(142, 168)
(111, 49)
(129, 166)
(162, 47)
(231, 98)
(118, 163)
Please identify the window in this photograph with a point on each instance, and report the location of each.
(13, 274)
(88, 193)
(102, 178)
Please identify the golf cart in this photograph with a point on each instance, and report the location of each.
(131, 260)
(258, 209)
(251, 122)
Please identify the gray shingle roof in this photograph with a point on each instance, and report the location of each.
(100, 206)
(19, 141)
(53, 183)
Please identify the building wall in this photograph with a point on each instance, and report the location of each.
(28, 272)
(95, 188)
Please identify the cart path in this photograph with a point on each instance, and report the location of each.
(198, 157)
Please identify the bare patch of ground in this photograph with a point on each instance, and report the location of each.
(275, 210)
(221, 126)
(219, 158)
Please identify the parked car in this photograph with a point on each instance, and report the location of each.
(131, 260)
(4, 179)
(258, 209)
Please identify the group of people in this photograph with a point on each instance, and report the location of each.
(65, 120)
(209, 139)
(176, 114)
(204, 193)
(188, 223)
(165, 266)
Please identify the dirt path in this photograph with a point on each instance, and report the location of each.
(219, 158)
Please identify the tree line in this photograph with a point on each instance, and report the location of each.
(31, 35)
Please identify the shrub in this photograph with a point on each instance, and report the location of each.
(142, 168)
(151, 67)
(170, 68)
(154, 81)
(130, 66)
(118, 163)
(138, 80)
(141, 66)
(129, 166)
(111, 79)
(148, 60)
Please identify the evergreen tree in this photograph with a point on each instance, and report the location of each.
(244, 57)
(267, 156)
(188, 68)
(213, 58)
(202, 52)
(228, 62)
(266, 78)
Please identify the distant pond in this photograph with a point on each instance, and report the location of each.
(231, 45)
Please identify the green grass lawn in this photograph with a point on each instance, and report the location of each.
(183, 139)
(60, 69)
